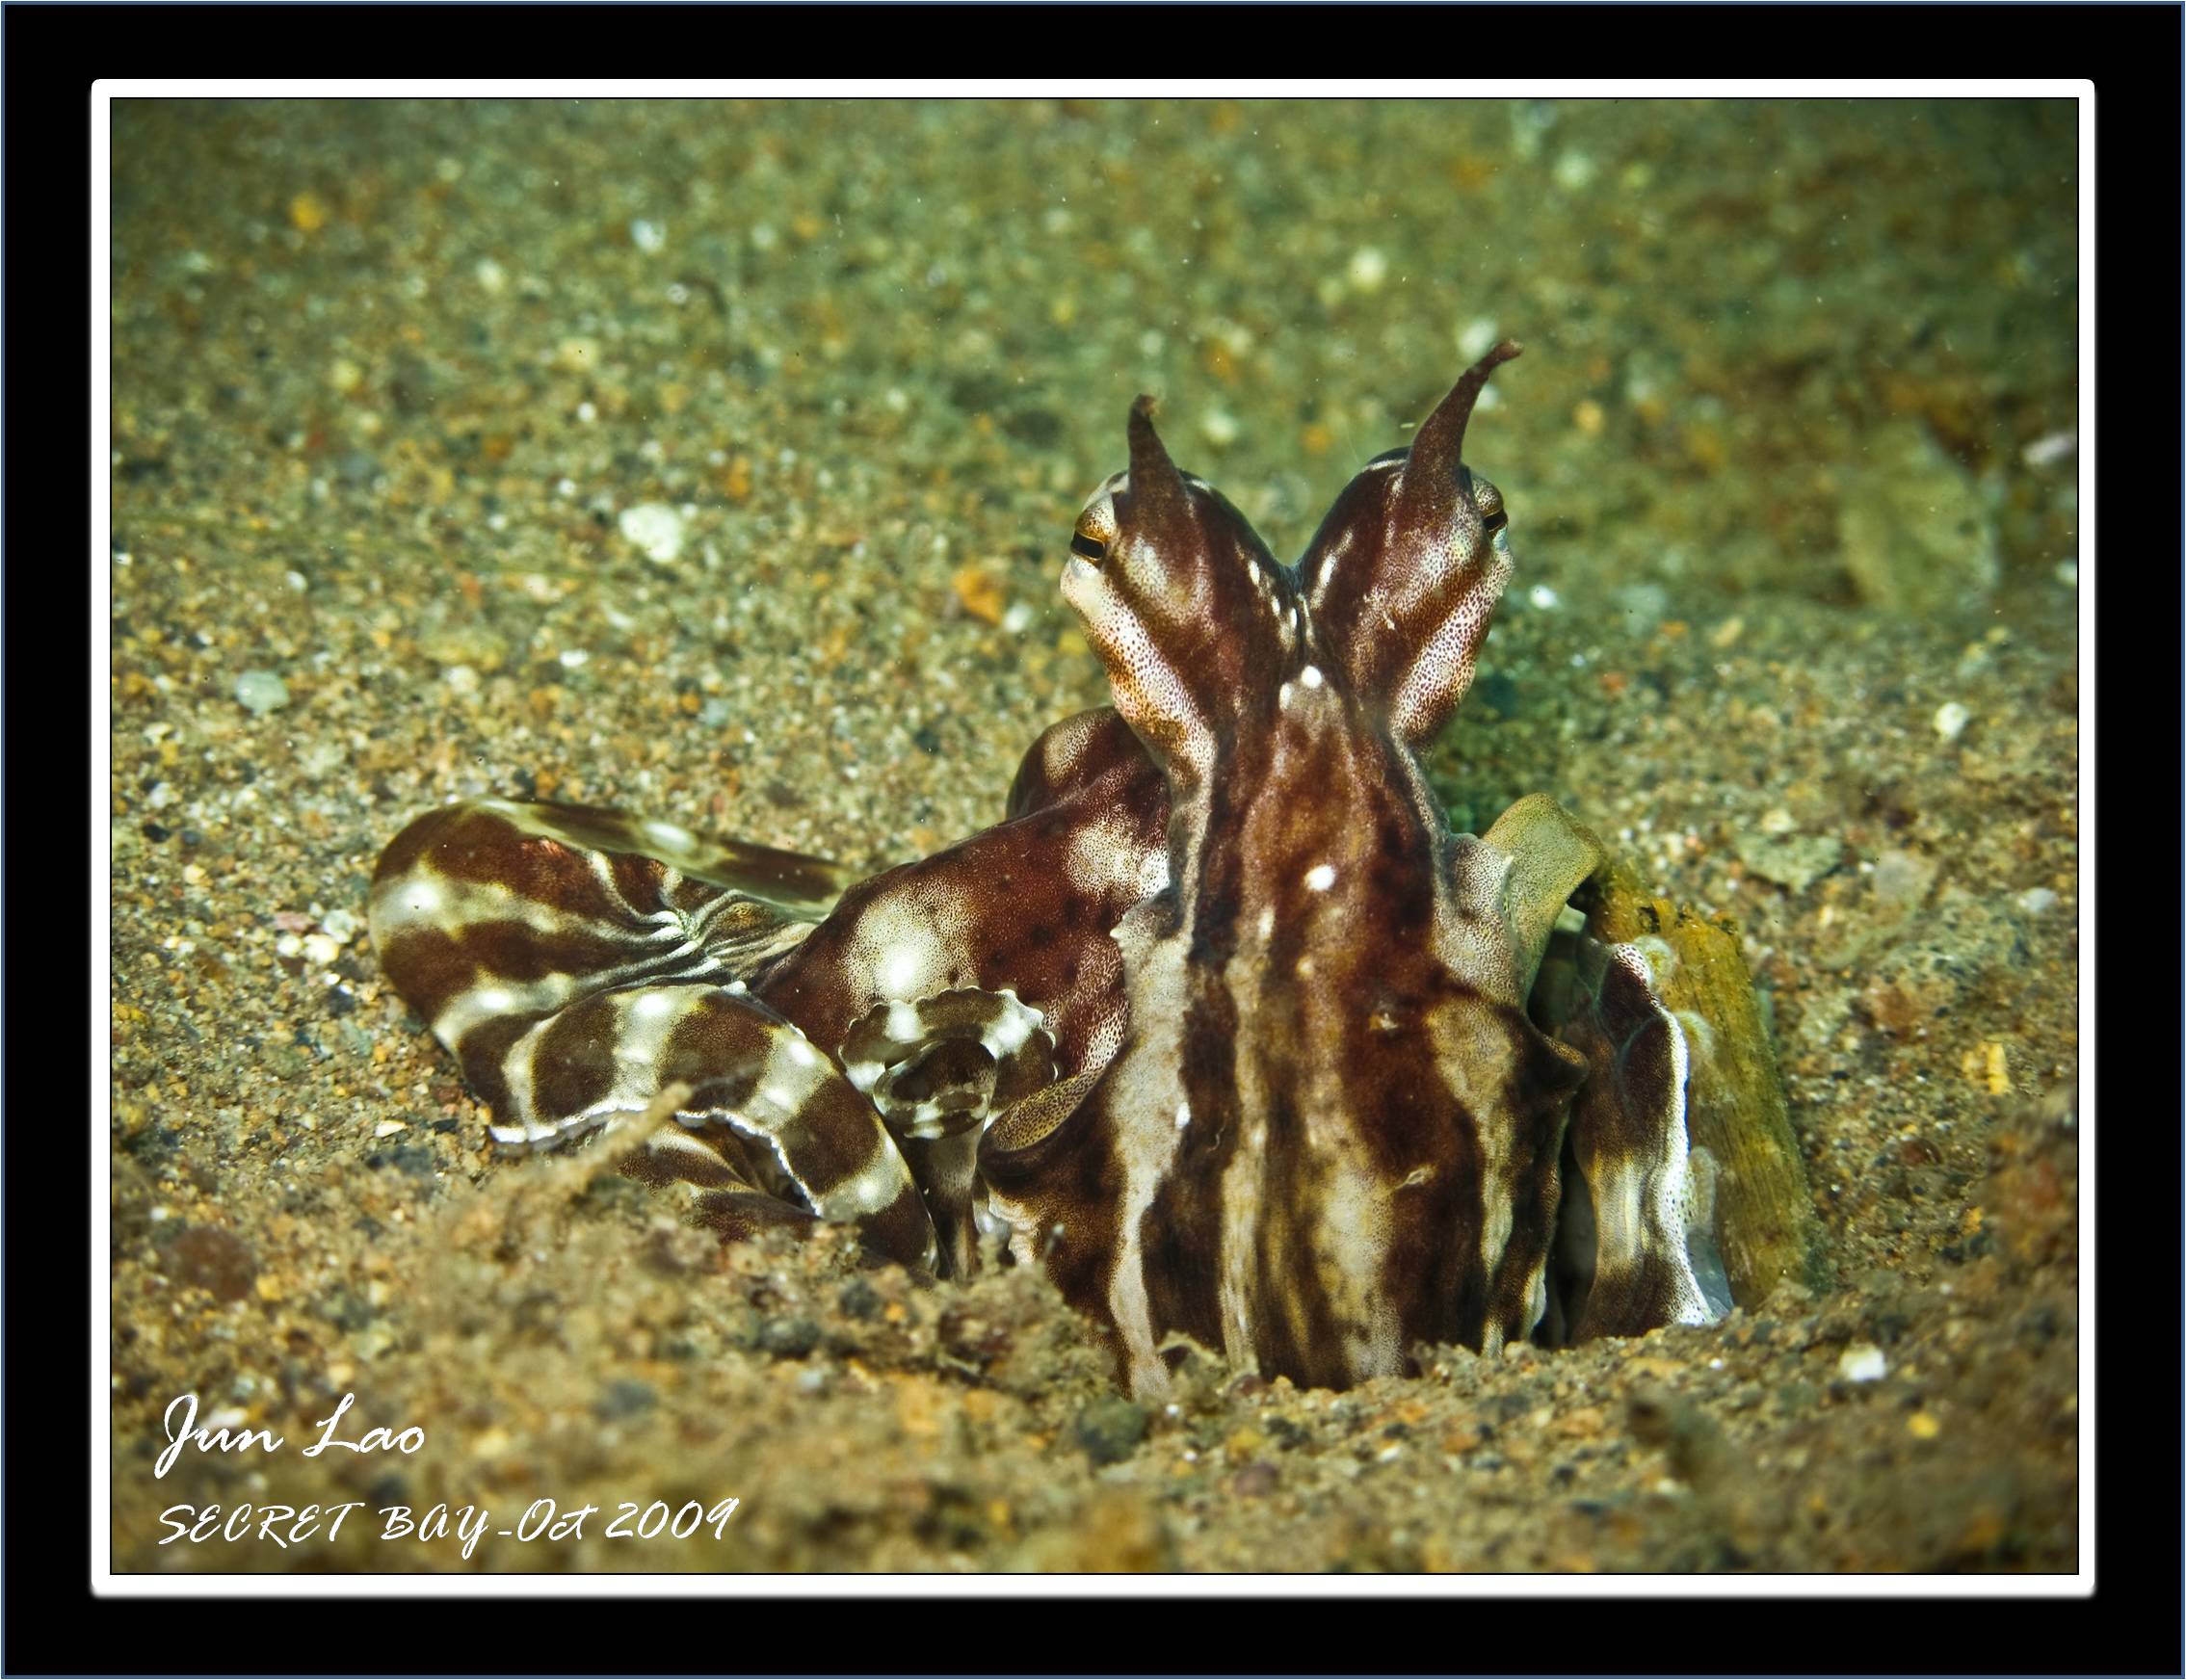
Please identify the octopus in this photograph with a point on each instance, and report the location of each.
(1221, 1026)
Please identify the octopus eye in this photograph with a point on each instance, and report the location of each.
(1090, 548)
(1490, 501)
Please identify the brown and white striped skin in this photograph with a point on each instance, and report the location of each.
(1220, 1025)
(1333, 1132)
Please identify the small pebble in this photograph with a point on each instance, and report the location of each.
(461, 678)
(2036, 899)
(319, 949)
(1794, 864)
(1902, 878)
(1219, 428)
(860, 1300)
(788, 1338)
(2050, 449)
(1574, 170)
(260, 691)
(626, 1397)
(1368, 270)
(655, 529)
(1110, 1430)
(649, 237)
(1256, 1481)
(980, 593)
(1951, 720)
(1862, 1362)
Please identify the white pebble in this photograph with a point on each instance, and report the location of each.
(1951, 720)
(1862, 1362)
(2036, 899)
(389, 1128)
(1369, 268)
(2050, 449)
(340, 926)
(1543, 597)
(1573, 170)
(1219, 428)
(461, 678)
(649, 237)
(319, 949)
(260, 691)
(490, 276)
(655, 529)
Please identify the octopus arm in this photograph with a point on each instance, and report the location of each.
(577, 963)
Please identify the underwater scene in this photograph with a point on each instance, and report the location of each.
(661, 1022)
